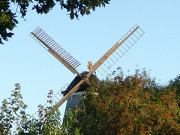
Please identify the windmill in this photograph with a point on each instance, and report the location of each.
(102, 65)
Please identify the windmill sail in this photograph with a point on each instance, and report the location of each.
(54, 99)
(126, 42)
(55, 49)
(118, 50)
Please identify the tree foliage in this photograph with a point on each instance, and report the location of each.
(12, 112)
(11, 9)
(121, 105)
(175, 84)
(129, 105)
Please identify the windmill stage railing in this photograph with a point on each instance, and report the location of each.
(55, 49)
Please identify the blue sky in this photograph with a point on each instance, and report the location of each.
(24, 61)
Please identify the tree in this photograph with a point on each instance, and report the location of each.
(8, 17)
(121, 105)
(128, 105)
(15, 120)
(12, 112)
(175, 84)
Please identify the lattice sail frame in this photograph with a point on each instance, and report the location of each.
(54, 100)
(55, 49)
(120, 48)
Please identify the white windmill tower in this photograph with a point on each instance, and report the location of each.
(81, 81)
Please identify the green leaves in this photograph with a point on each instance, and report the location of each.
(12, 111)
(44, 6)
(7, 20)
(123, 105)
(8, 17)
(128, 105)
(74, 7)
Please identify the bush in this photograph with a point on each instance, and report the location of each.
(128, 105)
(121, 105)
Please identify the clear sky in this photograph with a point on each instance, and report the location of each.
(24, 61)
